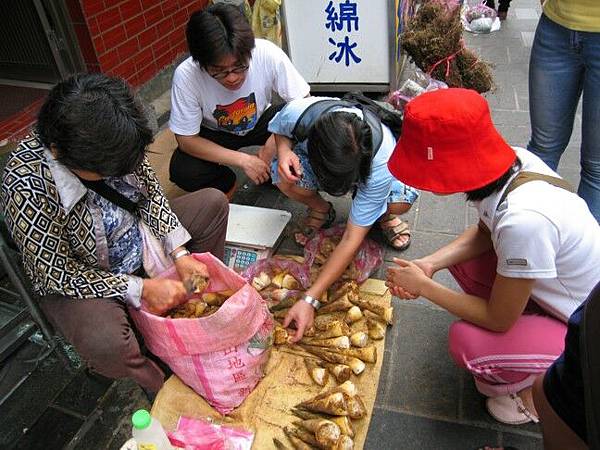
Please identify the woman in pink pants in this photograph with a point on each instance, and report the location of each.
(524, 268)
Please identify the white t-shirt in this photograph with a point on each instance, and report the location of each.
(198, 98)
(545, 233)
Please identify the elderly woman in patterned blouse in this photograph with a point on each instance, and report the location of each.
(91, 221)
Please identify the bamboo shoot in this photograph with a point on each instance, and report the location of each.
(359, 339)
(376, 329)
(326, 432)
(319, 374)
(334, 404)
(340, 342)
(354, 314)
(366, 354)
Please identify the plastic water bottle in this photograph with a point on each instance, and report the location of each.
(148, 432)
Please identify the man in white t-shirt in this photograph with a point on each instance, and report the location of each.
(535, 241)
(221, 100)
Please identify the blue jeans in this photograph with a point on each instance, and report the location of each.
(563, 65)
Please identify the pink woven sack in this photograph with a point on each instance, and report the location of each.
(222, 356)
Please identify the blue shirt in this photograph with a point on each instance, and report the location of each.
(371, 197)
(123, 235)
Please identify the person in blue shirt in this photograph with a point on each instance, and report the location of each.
(324, 144)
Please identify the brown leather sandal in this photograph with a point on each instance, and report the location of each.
(394, 232)
(314, 221)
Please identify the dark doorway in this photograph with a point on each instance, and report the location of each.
(38, 42)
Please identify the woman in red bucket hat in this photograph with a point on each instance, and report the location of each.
(535, 240)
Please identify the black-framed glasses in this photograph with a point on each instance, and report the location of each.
(225, 73)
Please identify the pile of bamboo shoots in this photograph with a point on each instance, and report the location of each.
(338, 345)
(200, 303)
(280, 289)
(325, 421)
(324, 251)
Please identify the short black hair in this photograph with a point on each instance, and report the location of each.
(218, 31)
(494, 186)
(339, 151)
(95, 124)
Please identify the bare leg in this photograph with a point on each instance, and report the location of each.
(268, 150)
(312, 199)
(557, 435)
(319, 212)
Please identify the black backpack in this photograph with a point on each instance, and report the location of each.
(310, 114)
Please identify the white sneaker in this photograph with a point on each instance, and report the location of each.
(510, 409)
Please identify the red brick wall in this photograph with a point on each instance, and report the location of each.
(135, 39)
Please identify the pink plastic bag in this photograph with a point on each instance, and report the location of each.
(221, 356)
(198, 434)
(368, 258)
(297, 270)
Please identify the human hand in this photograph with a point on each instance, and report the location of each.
(266, 153)
(407, 280)
(425, 266)
(187, 266)
(255, 168)
(161, 294)
(302, 314)
(289, 167)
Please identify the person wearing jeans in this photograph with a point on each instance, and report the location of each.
(564, 66)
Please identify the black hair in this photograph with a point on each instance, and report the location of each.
(94, 123)
(218, 31)
(494, 186)
(340, 147)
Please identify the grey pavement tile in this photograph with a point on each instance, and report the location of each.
(473, 411)
(522, 442)
(391, 430)
(527, 37)
(526, 13)
(571, 157)
(111, 426)
(445, 214)
(510, 118)
(422, 379)
(268, 197)
(497, 54)
(54, 430)
(504, 97)
(422, 244)
(571, 175)
(523, 102)
(36, 394)
(83, 393)
(519, 55)
(515, 135)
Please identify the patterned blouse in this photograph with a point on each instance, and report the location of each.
(61, 233)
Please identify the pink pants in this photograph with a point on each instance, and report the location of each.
(502, 363)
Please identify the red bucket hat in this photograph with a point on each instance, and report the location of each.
(449, 144)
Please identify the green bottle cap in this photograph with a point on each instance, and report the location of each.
(141, 419)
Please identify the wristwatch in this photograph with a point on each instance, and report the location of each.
(180, 254)
(312, 302)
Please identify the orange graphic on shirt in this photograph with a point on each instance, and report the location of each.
(237, 117)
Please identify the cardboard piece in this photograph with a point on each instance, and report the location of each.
(286, 383)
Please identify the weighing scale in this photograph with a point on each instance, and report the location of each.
(252, 233)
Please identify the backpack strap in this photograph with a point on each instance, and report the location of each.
(314, 111)
(526, 177)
